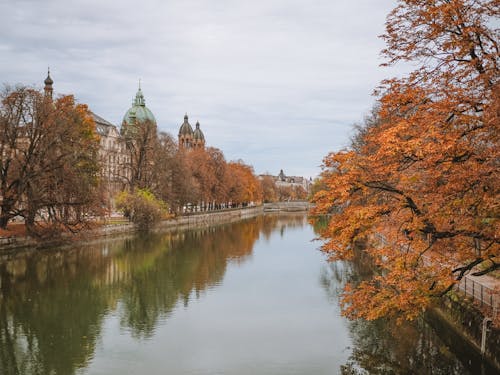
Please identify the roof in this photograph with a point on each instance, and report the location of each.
(103, 127)
(136, 114)
(186, 128)
(198, 134)
(48, 81)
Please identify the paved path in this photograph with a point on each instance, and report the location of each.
(485, 291)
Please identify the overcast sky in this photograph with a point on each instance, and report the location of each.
(277, 83)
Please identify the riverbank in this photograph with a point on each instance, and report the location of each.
(199, 219)
(471, 307)
(460, 317)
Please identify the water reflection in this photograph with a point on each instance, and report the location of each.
(53, 303)
(241, 299)
(384, 347)
(425, 346)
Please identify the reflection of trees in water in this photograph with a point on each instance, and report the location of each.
(45, 299)
(53, 303)
(383, 347)
(282, 222)
(319, 223)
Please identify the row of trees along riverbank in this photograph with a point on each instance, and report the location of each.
(423, 168)
(52, 180)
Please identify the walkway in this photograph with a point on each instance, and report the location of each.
(484, 291)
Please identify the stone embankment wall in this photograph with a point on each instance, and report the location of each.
(199, 219)
(474, 299)
(14, 242)
(466, 319)
(210, 218)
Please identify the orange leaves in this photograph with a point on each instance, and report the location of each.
(220, 181)
(52, 160)
(244, 186)
(448, 33)
(401, 293)
(420, 188)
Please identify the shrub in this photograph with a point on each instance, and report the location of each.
(141, 207)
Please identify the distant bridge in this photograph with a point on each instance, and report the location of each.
(291, 206)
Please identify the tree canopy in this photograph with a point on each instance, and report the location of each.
(419, 186)
(49, 165)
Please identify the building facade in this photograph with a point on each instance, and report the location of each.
(284, 181)
(114, 156)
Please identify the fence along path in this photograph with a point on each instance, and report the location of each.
(484, 290)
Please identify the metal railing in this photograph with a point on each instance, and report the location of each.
(482, 294)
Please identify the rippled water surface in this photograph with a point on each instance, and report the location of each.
(254, 297)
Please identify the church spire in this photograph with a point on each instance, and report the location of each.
(48, 85)
(139, 97)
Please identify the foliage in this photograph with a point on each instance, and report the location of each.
(269, 189)
(142, 145)
(215, 180)
(291, 193)
(244, 186)
(208, 171)
(273, 192)
(49, 165)
(420, 184)
(317, 185)
(173, 181)
(179, 176)
(141, 207)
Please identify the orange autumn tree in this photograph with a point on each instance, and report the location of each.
(49, 167)
(244, 187)
(420, 185)
(208, 170)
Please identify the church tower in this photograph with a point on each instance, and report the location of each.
(136, 115)
(185, 134)
(198, 137)
(188, 138)
(48, 85)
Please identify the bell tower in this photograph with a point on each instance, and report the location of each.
(48, 85)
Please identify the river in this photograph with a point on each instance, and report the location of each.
(252, 297)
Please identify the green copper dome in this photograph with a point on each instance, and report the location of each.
(136, 114)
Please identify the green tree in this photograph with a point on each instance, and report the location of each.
(141, 207)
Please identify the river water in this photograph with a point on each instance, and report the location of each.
(253, 297)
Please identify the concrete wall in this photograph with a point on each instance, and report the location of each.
(211, 218)
(466, 320)
(9, 243)
(192, 220)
